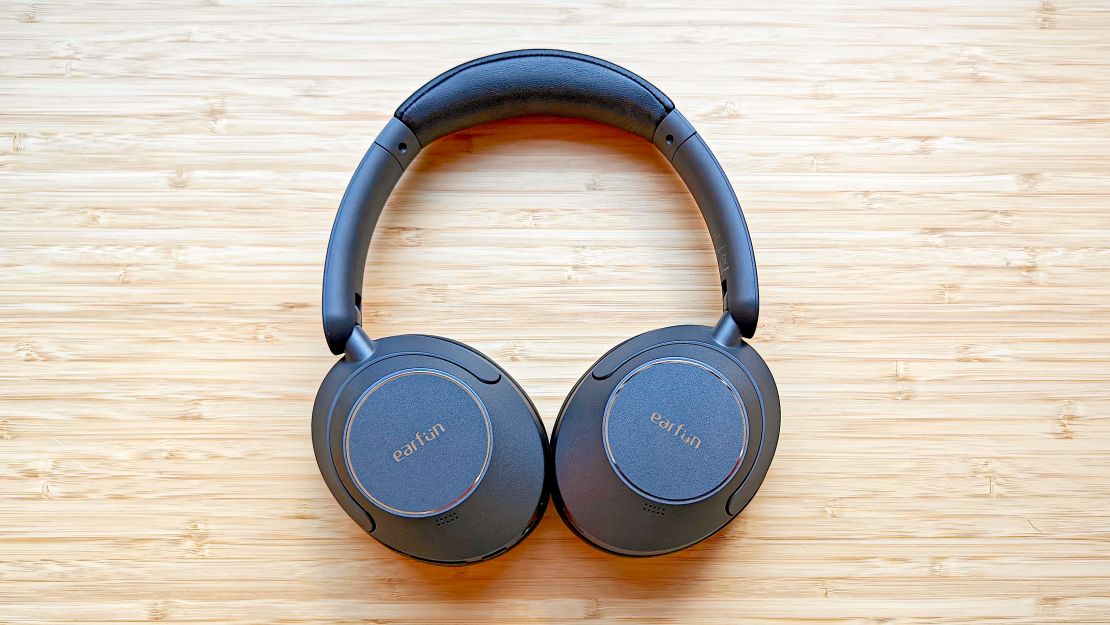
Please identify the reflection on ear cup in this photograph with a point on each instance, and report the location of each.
(449, 465)
(659, 436)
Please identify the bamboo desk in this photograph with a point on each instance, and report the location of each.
(927, 184)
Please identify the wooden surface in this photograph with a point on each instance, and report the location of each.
(927, 185)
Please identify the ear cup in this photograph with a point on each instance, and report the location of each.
(664, 440)
(432, 449)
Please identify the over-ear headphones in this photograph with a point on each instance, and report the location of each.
(438, 453)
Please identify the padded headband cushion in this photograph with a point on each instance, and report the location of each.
(533, 82)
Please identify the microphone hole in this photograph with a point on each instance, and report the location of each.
(670, 139)
(403, 147)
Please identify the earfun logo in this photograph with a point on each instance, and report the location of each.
(417, 443)
(674, 429)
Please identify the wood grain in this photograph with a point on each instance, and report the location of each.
(927, 184)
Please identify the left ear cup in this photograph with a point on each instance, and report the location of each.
(664, 440)
(432, 449)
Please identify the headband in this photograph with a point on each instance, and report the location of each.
(533, 82)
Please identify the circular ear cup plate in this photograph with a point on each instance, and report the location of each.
(418, 442)
(432, 449)
(675, 430)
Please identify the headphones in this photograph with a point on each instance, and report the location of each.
(435, 451)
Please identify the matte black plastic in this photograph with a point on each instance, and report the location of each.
(359, 347)
(321, 412)
(400, 141)
(590, 495)
(713, 192)
(534, 82)
(345, 264)
(398, 144)
(671, 133)
(511, 496)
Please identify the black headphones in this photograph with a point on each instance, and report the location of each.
(438, 453)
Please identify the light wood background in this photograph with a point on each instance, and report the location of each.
(927, 184)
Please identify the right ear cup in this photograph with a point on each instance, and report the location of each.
(432, 449)
(665, 439)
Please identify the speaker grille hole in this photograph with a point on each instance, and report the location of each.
(447, 518)
(654, 509)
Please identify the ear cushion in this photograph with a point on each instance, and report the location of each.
(433, 449)
(664, 440)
